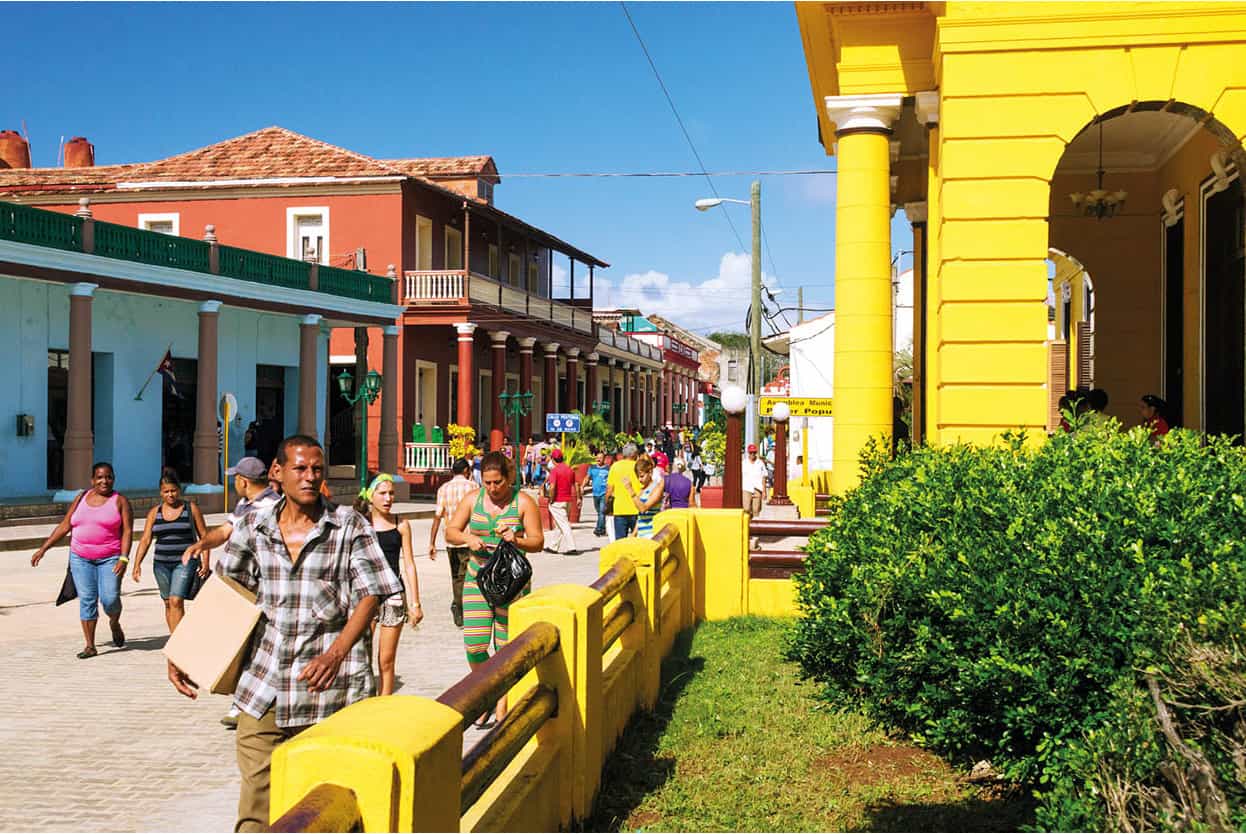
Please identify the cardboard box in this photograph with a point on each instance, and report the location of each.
(212, 639)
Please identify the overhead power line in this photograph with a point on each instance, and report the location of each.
(551, 174)
(680, 120)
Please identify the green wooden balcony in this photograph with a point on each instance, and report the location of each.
(39, 227)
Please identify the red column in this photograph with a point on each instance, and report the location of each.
(79, 438)
(467, 374)
(733, 478)
(497, 434)
(592, 387)
(525, 386)
(551, 379)
(388, 444)
(573, 379)
(668, 388)
(206, 450)
(780, 464)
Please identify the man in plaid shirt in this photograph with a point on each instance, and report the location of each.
(318, 575)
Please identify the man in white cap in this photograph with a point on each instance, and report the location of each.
(753, 479)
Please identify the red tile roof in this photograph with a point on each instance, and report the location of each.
(452, 167)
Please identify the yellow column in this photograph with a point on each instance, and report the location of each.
(863, 294)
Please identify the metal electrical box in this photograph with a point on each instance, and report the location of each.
(25, 425)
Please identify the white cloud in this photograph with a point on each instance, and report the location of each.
(718, 301)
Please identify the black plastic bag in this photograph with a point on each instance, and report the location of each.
(505, 575)
(69, 591)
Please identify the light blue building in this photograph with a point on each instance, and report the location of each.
(88, 313)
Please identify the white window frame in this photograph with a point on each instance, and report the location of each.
(293, 213)
(145, 221)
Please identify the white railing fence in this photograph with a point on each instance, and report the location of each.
(425, 456)
(435, 285)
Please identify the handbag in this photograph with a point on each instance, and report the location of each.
(69, 591)
(505, 575)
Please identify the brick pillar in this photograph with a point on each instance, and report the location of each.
(551, 379)
(467, 374)
(387, 443)
(525, 386)
(573, 379)
(309, 336)
(498, 432)
(205, 443)
(79, 439)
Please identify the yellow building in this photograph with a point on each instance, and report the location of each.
(987, 124)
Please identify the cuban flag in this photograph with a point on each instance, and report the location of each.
(165, 369)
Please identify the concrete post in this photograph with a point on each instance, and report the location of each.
(206, 444)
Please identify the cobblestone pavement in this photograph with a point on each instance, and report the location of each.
(106, 744)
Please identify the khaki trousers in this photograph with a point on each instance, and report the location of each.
(562, 525)
(752, 503)
(256, 741)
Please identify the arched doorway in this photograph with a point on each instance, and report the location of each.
(1166, 311)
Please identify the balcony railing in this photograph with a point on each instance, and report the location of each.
(620, 341)
(458, 286)
(426, 456)
(39, 227)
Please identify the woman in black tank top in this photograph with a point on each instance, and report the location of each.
(174, 524)
(394, 537)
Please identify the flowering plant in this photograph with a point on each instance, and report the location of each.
(462, 441)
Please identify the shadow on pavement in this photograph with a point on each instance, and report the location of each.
(635, 769)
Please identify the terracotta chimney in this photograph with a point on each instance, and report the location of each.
(79, 153)
(14, 151)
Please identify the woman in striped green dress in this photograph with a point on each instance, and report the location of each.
(649, 500)
(498, 512)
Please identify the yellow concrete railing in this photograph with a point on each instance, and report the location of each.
(584, 660)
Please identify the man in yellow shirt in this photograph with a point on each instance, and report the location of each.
(624, 511)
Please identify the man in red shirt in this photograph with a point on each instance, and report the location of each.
(560, 491)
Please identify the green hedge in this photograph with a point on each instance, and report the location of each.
(1017, 603)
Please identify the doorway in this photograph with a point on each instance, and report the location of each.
(178, 393)
(1224, 311)
(1174, 321)
(342, 443)
(58, 416)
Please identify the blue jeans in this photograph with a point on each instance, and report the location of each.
(624, 525)
(97, 585)
(599, 502)
(175, 579)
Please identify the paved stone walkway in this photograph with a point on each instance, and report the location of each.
(106, 744)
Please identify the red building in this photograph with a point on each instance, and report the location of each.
(476, 282)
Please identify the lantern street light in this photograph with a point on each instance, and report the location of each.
(516, 405)
(734, 402)
(367, 393)
(601, 407)
(781, 414)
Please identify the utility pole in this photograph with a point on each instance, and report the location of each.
(755, 346)
(800, 305)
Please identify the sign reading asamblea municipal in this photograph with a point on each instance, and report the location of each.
(800, 406)
(556, 423)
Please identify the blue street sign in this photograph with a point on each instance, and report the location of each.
(557, 423)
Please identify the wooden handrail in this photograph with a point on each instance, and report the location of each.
(616, 622)
(666, 536)
(481, 688)
(614, 580)
(776, 564)
(325, 808)
(669, 566)
(494, 752)
(793, 527)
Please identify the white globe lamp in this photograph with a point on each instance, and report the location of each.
(781, 412)
(734, 399)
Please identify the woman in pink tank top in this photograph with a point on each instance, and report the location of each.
(101, 524)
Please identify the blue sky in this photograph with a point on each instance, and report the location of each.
(540, 86)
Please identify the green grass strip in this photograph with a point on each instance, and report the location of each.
(739, 743)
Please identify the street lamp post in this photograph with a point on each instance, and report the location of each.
(734, 402)
(368, 392)
(516, 405)
(755, 378)
(601, 407)
(679, 410)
